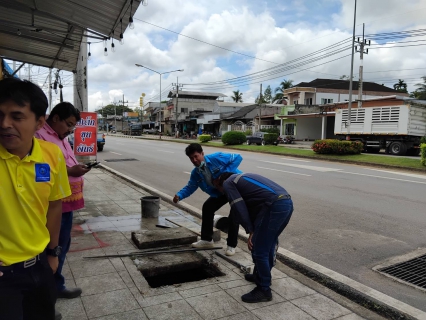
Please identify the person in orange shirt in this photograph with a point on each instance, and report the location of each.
(33, 183)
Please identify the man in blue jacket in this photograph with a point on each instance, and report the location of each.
(206, 169)
(264, 209)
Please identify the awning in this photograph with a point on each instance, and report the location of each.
(308, 115)
(49, 32)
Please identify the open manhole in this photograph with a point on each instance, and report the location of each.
(119, 160)
(170, 269)
(412, 271)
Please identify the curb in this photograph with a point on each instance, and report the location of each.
(359, 163)
(363, 295)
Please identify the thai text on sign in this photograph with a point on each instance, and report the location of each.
(85, 135)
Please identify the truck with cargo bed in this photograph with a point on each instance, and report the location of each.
(397, 128)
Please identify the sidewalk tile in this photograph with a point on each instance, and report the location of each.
(71, 309)
(290, 289)
(351, 316)
(155, 300)
(176, 310)
(321, 307)
(100, 283)
(242, 316)
(237, 292)
(233, 284)
(109, 303)
(199, 291)
(118, 264)
(130, 315)
(125, 276)
(90, 267)
(215, 305)
(281, 311)
(78, 255)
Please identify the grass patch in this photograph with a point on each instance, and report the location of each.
(393, 161)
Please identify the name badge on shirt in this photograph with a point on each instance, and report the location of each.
(42, 172)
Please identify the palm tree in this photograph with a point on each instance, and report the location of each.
(238, 96)
(420, 93)
(279, 91)
(401, 86)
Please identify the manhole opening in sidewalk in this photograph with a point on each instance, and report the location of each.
(119, 160)
(168, 269)
(412, 271)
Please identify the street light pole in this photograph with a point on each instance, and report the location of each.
(159, 73)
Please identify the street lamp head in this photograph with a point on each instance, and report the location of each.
(139, 65)
(180, 70)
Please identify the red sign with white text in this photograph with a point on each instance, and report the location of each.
(85, 135)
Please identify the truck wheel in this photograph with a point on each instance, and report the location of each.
(248, 142)
(398, 148)
(100, 148)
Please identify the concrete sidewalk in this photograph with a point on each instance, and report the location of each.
(113, 288)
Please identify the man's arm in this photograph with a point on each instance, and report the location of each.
(53, 224)
(78, 170)
(229, 161)
(237, 203)
(189, 189)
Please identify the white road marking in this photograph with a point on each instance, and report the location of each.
(380, 177)
(295, 159)
(187, 172)
(165, 151)
(303, 166)
(420, 176)
(300, 174)
(116, 153)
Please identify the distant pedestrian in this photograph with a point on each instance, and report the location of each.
(60, 123)
(264, 209)
(208, 167)
(33, 182)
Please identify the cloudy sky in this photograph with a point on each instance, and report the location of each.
(242, 37)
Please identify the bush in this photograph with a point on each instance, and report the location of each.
(248, 132)
(271, 138)
(272, 130)
(233, 137)
(330, 146)
(423, 140)
(423, 153)
(205, 137)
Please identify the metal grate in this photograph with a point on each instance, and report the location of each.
(119, 160)
(412, 271)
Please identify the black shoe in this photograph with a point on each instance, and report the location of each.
(249, 277)
(58, 315)
(257, 295)
(69, 293)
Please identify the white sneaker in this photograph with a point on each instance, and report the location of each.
(230, 251)
(203, 244)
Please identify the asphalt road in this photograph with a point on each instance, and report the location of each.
(348, 218)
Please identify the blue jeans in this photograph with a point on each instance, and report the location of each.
(65, 243)
(267, 228)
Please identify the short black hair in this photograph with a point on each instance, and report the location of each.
(22, 92)
(193, 147)
(64, 110)
(223, 177)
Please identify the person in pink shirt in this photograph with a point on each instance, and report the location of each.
(60, 123)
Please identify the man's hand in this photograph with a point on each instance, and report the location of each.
(249, 243)
(176, 198)
(53, 263)
(78, 170)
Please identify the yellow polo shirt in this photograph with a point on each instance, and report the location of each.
(26, 187)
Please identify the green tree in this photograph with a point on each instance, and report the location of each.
(420, 93)
(112, 109)
(279, 91)
(238, 96)
(401, 86)
(267, 94)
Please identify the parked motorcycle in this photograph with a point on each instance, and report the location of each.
(285, 140)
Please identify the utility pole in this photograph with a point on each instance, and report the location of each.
(260, 107)
(348, 136)
(50, 89)
(361, 51)
(177, 85)
(122, 111)
(29, 72)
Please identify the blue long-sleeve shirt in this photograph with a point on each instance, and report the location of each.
(251, 195)
(217, 163)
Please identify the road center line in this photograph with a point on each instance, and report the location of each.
(165, 151)
(295, 159)
(300, 174)
(116, 153)
(187, 172)
(412, 175)
(303, 166)
(380, 177)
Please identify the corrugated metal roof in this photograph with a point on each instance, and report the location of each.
(49, 32)
(182, 93)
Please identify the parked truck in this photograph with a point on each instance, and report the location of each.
(134, 129)
(397, 129)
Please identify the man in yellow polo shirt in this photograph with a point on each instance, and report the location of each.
(33, 182)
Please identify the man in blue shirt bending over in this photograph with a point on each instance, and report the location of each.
(207, 168)
(264, 209)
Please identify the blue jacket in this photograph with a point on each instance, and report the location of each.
(217, 163)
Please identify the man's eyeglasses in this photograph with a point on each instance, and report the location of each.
(70, 126)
